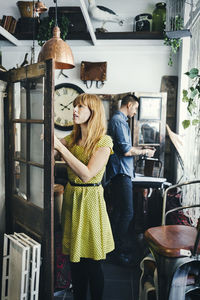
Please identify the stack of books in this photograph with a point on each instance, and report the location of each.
(9, 23)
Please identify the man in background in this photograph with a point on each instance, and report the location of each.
(120, 171)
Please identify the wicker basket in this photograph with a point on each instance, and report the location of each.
(25, 8)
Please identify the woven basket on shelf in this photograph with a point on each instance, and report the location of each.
(25, 8)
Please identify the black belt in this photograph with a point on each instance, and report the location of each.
(84, 184)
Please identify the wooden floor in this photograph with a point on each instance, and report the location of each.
(121, 283)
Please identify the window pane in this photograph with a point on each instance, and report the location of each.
(19, 98)
(37, 143)
(150, 108)
(149, 132)
(16, 98)
(37, 99)
(20, 173)
(20, 140)
(36, 186)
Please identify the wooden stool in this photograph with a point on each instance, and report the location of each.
(173, 246)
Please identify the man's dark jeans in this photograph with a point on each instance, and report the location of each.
(122, 213)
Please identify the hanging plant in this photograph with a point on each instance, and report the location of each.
(174, 43)
(46, 26)
(191, 96)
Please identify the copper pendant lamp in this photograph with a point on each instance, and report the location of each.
(57, 49)
(40, 8)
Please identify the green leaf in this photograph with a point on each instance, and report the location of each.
(185, 93)
(186, 124)
(185, 99)
(195, 122)
(198, 87)
(185, 96)
(191, 106)
(46, 28)
(193, 73)
(194, 93)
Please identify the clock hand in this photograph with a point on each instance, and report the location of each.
(69, 103)
(65, 107)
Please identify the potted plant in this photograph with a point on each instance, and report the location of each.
(191, 96)
(174, 43)
(46, 27)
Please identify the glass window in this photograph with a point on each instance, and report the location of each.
(149, 132)
(37, 143)
(37, 99)
(20, 140)
(20, 177)
(150, 108)
(37, 186)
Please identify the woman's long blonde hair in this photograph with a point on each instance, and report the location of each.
(96, 124)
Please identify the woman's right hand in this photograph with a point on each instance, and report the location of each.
(57, 143)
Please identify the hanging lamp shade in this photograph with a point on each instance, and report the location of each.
(40, 8)
(57, 49)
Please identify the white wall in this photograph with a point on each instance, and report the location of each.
(137, 66)
(2, 172)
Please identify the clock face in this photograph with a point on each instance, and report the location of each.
(64, 96)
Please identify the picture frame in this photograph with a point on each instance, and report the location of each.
(150, 108)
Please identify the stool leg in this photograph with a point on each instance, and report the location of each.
(164, 279)
(166, 268)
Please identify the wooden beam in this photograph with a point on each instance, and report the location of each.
(9, 36)
(88, 21)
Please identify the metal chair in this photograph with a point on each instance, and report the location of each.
(175, 248)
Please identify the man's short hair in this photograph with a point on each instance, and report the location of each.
(129, 98)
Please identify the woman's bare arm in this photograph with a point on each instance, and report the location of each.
(95, 164)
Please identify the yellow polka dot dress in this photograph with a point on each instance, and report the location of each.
(85, 223)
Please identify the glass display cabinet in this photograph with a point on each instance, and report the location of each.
(149, 126)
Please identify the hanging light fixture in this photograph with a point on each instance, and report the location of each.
(40, 8)
(57, 49)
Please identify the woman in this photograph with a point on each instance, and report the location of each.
(87, 236)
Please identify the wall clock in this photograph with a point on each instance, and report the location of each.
(64, 95)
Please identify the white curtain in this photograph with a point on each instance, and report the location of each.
(191, 194)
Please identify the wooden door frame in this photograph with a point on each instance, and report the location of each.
(47, 214)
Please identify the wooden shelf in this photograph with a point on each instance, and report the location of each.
(70, 36)
(103, 36)
(129, 35)
(4, 34)
(85, 36)
(90, 35)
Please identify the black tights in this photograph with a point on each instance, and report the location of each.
(87, 271)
